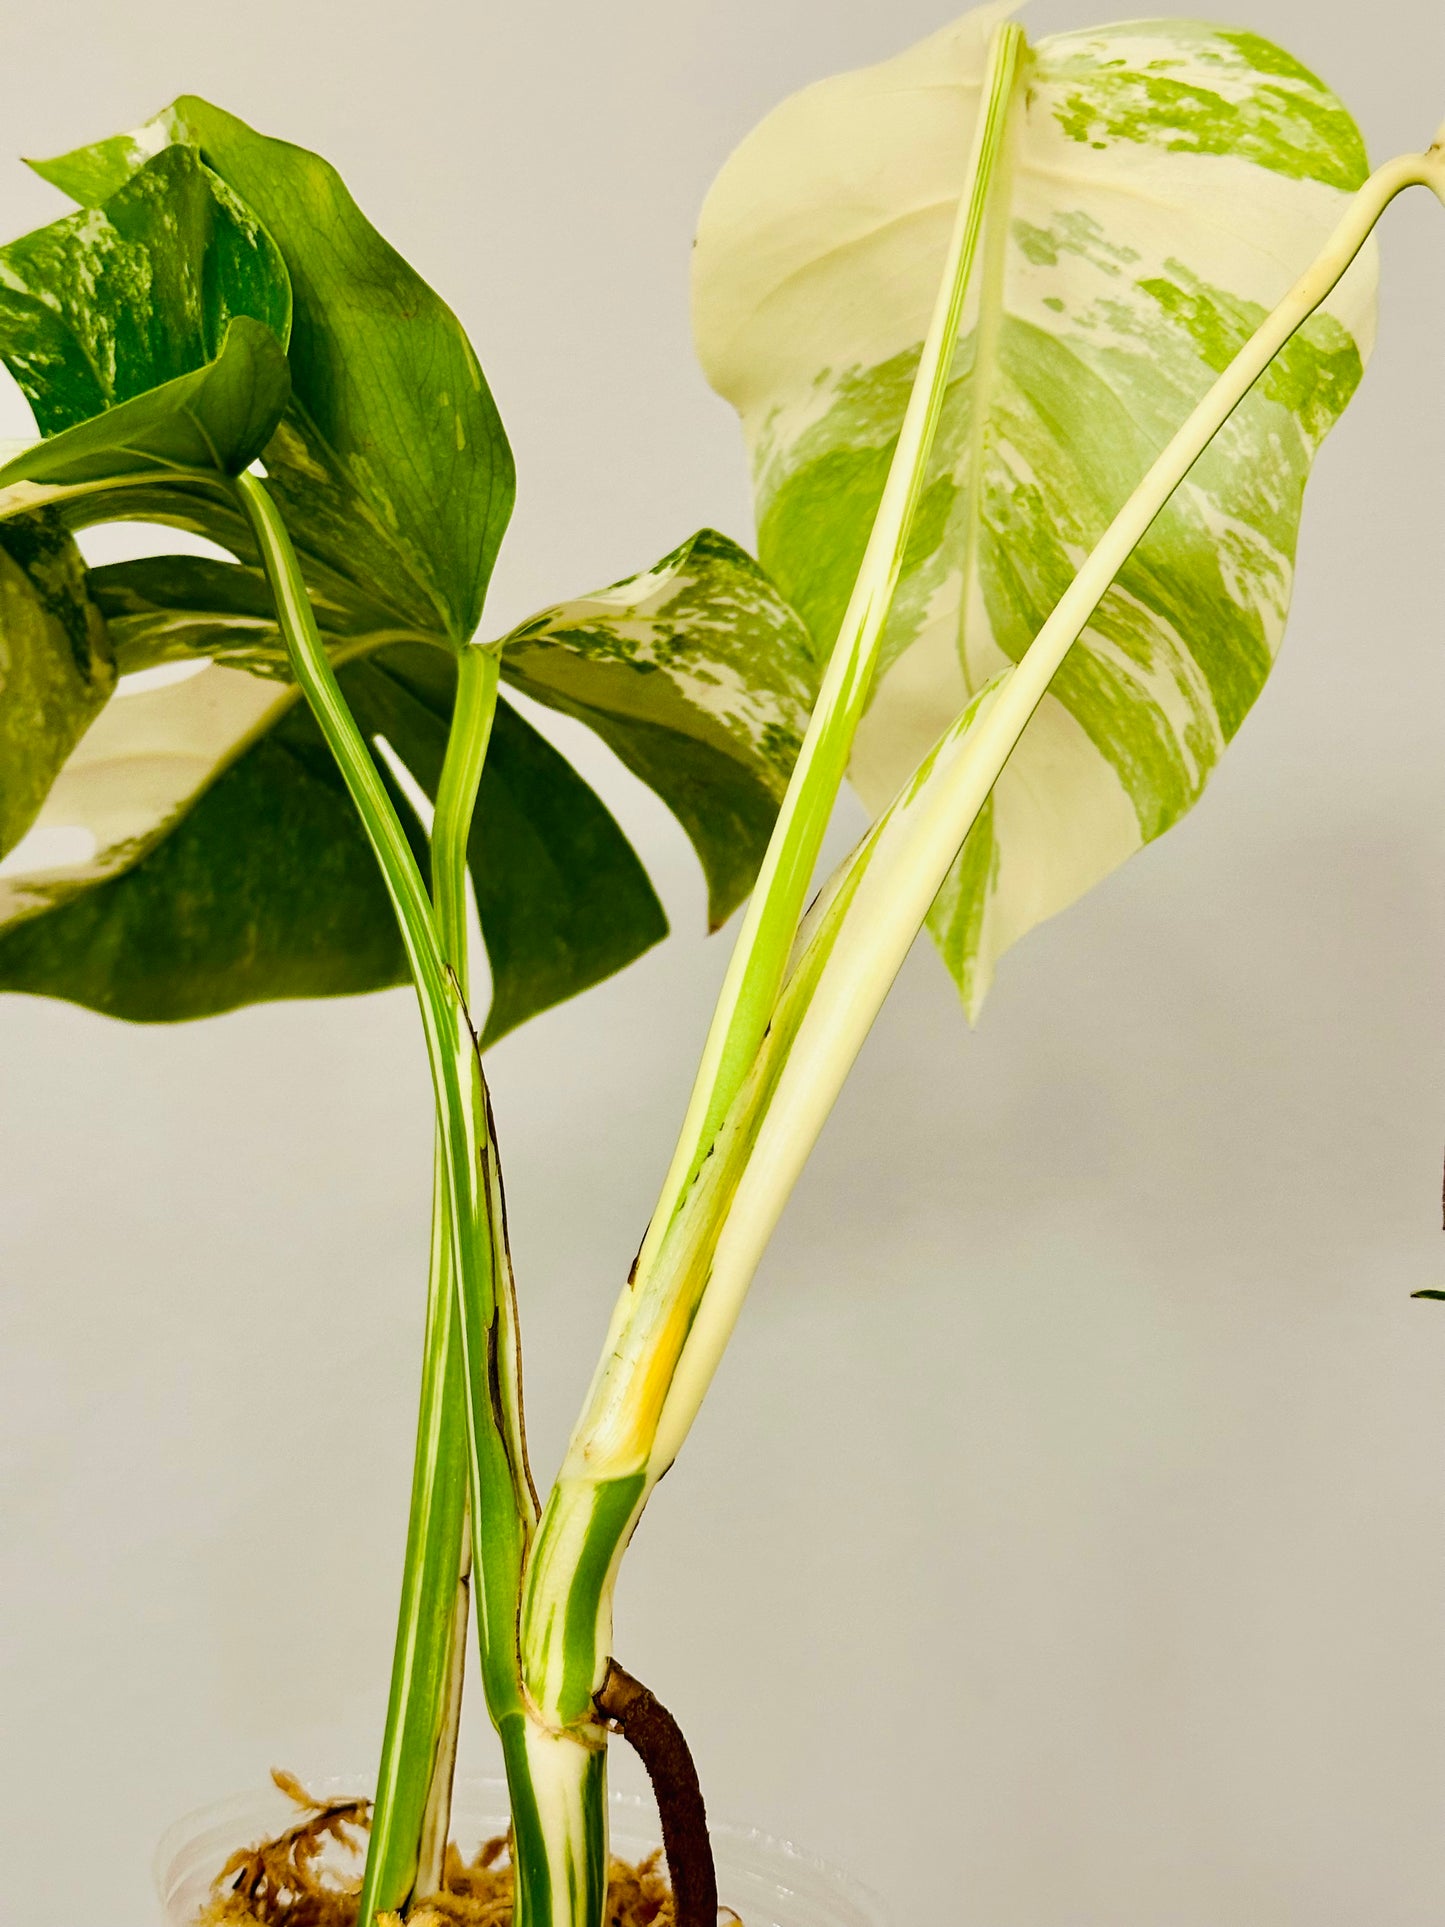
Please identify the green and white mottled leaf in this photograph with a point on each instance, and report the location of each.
(167, 875)
(142, 888)
(696, 672)
(1165, 183)
(107, 304)
(196, 849)
(160, 456)
(391, 465)
(55, 666)
(700, 677)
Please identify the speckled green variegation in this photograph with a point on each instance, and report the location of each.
(1164, 183)
(700, 679)
(190, 847)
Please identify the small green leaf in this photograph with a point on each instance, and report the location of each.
(55, 666)
(1166, 183)
(391, 468)
(106, 305)
(1427, 1294)
(700, 677)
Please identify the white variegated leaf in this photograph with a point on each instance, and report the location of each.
(1163, 185)
(153, 750)
(700, 677)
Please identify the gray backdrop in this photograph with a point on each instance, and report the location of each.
(1062, 1545)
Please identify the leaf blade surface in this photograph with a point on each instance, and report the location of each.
(1165, 184)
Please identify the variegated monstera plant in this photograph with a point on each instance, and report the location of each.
(1033, 348)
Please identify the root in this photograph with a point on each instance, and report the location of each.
(656, 1738)
(283, 1883)
(280, 1883)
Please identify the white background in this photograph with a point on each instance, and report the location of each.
(1062, 1546)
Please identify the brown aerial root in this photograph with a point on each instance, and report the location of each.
(657, 1740)
(281, 1883)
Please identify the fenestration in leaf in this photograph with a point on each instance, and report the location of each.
(1165, 183)
(696, 673)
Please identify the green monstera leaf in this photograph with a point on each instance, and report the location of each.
(198, 850)
(391, 465)
(203, 799)
(1162, 185)
(165, 875)
(265, 886)
(696, 673)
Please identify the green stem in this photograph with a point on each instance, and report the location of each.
(471, 732)
(855, 942)
(407, 1847)
(566, 1626)
(755, 972)
(566, 1607)
(674, 1321)
(502, 1502)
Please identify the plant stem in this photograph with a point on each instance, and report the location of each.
(760, 956)
(864, 924)
(566, 1606)
(502, 1503)
(675, 1318)
(407, 1847)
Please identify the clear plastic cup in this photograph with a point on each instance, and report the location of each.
(766, 1882)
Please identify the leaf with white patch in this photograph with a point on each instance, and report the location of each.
(391, 465)
(1163, 184)
(700, 677)
(109, 303)
(198, 850)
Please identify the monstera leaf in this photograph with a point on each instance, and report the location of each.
(701, 678)
(227, 865)
(195, 849)
(391, 465)
(266, 886)
(1163, 184)
(206, 803)
(695, 673)
(106, 305)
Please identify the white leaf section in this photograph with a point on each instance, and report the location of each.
(1165, 184)
(142, 763)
